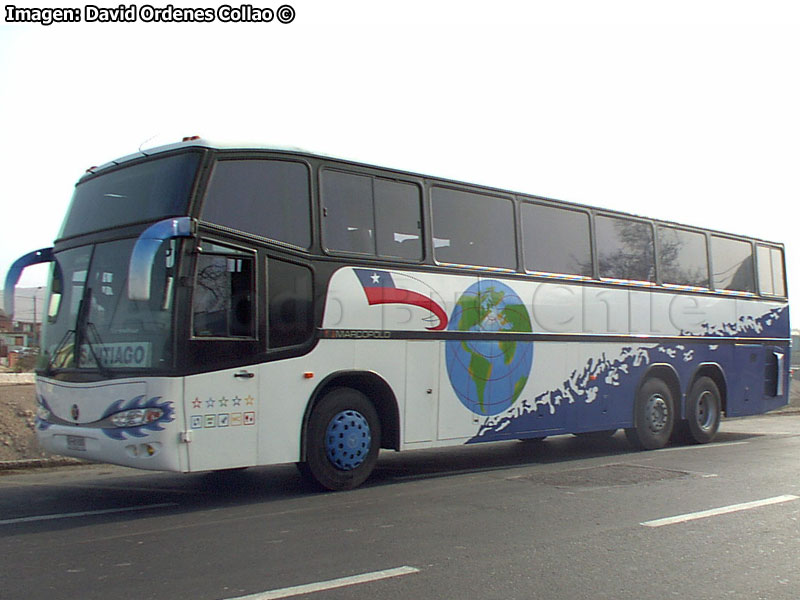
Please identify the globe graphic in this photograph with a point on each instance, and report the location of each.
(489, 375)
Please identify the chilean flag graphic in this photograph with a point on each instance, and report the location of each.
(380, 288)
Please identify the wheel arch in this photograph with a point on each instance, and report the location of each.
(377, 391)
(714, 372)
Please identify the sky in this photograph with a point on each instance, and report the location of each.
(686, 111)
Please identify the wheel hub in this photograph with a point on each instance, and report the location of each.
(347, 440)
(657, 413)
(705, 411)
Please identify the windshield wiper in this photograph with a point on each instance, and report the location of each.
(104, 370)
(84, 326)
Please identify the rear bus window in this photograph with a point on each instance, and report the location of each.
(770, 271)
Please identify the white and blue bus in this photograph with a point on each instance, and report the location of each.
(217, 307)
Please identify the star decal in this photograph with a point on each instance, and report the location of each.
(197, 403)
(210, 403)
(375, 278)
(237, 401)
(250, 400)
(223, 401)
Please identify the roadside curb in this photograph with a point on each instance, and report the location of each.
(40, 463)
(16, 378)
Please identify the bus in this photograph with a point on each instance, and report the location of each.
(215, 307)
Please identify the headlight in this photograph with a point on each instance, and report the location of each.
(136, 417)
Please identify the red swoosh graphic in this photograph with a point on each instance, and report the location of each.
(391, 295)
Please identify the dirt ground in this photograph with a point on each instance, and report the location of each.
(18, 410)
(17, 414)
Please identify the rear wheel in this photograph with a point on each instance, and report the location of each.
(703, 410)
(654, 415)
(342, 440)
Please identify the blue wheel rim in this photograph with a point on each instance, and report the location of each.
(347, 440)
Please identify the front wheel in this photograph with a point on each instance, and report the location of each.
(343, 439)
(654, 415)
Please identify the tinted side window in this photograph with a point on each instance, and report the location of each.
(625, 249)
(683, 257)
(371, 216)
(473, 229)
(398, 219)
(733, 264)
(770, 271)
(269, 198)
(348, 221)
(556, 240)
(291, 319)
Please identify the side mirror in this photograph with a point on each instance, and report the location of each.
(144, 253)
(36, 257)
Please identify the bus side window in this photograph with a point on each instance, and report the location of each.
(473, 229)
(291, 317)
(222, 303)
(770, 271)
(370, 215)
(733, 264)
(683, 257)
(348, 224)
(398, 219)
(269, 198)
(556, 240)
(625, 248)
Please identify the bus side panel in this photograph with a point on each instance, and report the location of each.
(757, 383)
(747, 375)
(287, 386)
(608, 407)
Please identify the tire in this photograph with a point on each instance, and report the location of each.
(342, 440)
(653, 416)
(703, 411)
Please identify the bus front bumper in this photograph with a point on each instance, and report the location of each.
(157, 451)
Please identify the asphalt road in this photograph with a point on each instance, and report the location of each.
(562, 519)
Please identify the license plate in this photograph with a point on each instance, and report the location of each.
(75, 442)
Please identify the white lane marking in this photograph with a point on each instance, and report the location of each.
(724, 510)
(701, 446)
(87, 513)
(329, 585)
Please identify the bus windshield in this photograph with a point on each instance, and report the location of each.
(90, 310)
(145, 191)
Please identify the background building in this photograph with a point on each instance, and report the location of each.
(21, 333)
